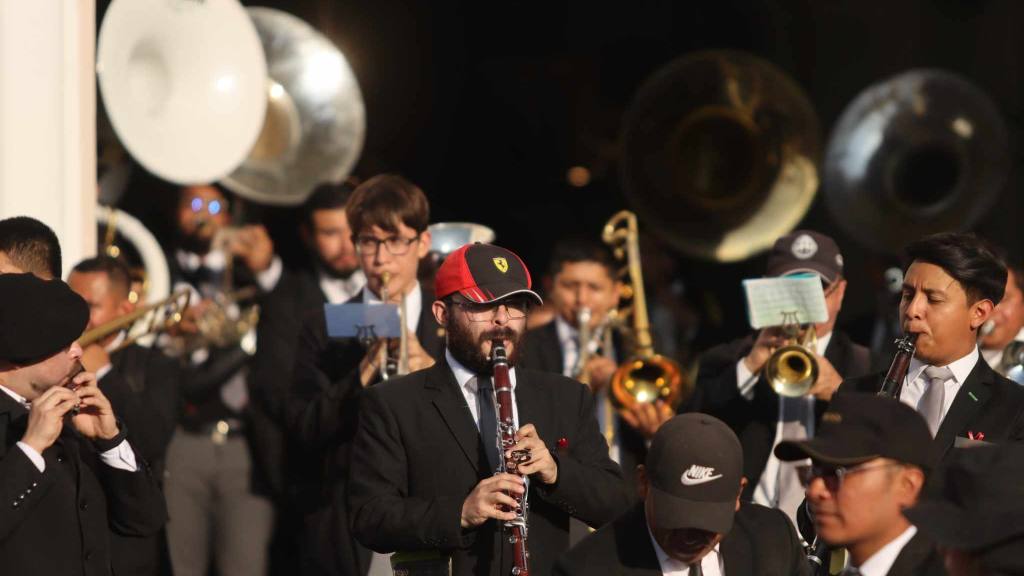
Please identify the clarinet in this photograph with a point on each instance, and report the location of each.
(893, 382)
(515, 528)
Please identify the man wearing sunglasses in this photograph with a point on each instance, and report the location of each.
(388, 216)
(731, 384)
(425, 452)
(868, 463)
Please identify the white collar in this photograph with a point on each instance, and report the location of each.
(16, 397)
(567, 333)
(669, 564)
(464, 376)
(338, 290)
(881, 561)
(961, 368)
(190, 261)
(823, 343)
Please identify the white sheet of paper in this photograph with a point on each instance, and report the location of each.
(788, 300)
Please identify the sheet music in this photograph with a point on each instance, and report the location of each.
(787, 300)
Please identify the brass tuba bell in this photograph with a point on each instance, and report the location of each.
(792, 370)
(646, 376)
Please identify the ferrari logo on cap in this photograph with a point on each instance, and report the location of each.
(501, 264)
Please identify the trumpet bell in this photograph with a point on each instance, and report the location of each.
(447, 237)
(1013, 362)
(791, 371)
(183, 85)
(645, 380)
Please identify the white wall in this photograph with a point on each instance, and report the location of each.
(48, 118)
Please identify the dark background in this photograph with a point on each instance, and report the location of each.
(487, 104)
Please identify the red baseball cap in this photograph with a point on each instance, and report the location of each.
(483, 273)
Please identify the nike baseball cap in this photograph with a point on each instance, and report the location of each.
(483, 273)
(694, 465)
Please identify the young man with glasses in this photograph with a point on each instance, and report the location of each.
(425, 452)
(869, 462)
(731, 384)
(388, 216)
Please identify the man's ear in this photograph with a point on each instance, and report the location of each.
(911, 481)
(440, 311)
(424, 246)
(980, 312)
(743, 484)
(125, 306)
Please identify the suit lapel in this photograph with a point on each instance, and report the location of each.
(736, 554)
(428, 332)
(10, 413)
(636, 551)
(527, 403)
(973, 395)
(451, 404)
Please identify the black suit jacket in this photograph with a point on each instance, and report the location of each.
(543, 351)
(418, 454)
(987, 403)
(755, 421)
(320, 415)
(57, 521)
(918, 558)
(762, 542)
(142, 388)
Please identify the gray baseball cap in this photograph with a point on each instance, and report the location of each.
(805, 251)
(694, 464)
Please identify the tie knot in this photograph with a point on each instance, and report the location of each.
(483, 383)
(936, 374)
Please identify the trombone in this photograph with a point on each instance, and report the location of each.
(145, 321)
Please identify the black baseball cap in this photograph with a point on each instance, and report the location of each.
(38, 318)
(980, 507)
(483, 273)
(858, 427)
(805, 251)
(695, 465)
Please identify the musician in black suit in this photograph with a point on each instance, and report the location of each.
(66, 481)
(583, 277)
(141, 384)
(953, 283)
(731, 384)
(869, 462)
(423, 460)
(389, 217)
(691, 519)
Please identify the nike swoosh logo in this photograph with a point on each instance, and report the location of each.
(695, 481)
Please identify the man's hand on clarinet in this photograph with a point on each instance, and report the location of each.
(486, 499)
(539, 463)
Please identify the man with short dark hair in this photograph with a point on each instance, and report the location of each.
(949, 291)
(141, 384)
(691, 519)
(67, 478)
(426, 448)
(869, 461)
(28, 245)
(388, 216)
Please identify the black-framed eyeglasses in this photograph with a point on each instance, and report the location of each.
(396, 245)
(516, 309)
(833, 476)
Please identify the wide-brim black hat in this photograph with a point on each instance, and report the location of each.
(38, 318)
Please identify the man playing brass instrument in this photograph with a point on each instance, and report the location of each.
(732, 386)
(388, 216)
(1006, 324)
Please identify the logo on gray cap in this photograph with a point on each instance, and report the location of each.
(804, 247)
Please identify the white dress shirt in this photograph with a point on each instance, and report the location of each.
(881, 562)
(779, 485)
(121, 456)
(711, 565)
(413, 305)
(916, 383)
(468, 385)
(339, 290)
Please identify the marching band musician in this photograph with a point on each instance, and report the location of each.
(28, 245)
(388, 216)
(1007, 321)
(141, 384)
(950, 289)
(731, 384)
(869, 461)
(65, 480)
(583, 277)
(690, 519)
(424, 455)
(217, 486)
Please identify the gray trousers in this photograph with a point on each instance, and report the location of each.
(213, 512)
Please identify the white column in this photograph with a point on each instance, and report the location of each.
(48, 118)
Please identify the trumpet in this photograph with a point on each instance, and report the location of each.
(143, 322)
(590, 340)
(394, 366)
(792, 370)
(646, 376)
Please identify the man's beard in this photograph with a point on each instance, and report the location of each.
(332, 272)
(194, 243)
(466, 349)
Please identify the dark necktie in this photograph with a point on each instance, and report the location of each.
(695, 569)
(488, 419)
